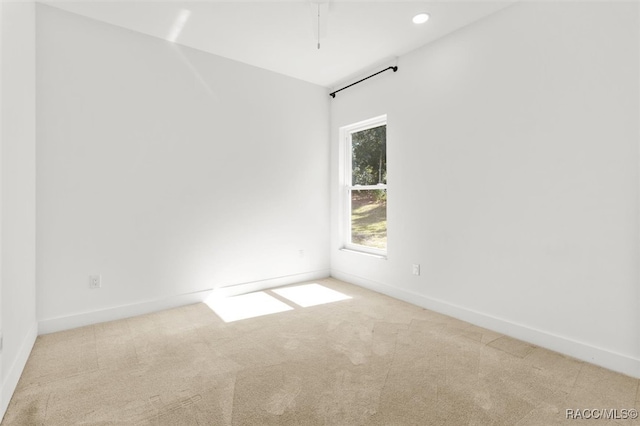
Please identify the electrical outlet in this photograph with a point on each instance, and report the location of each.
(416, 269)
(95, 281)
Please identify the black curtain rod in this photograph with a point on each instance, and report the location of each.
(333, 94)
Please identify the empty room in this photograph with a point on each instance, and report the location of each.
(319, 212)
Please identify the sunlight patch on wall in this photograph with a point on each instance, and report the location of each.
(310, 295)
(178, 25)
(245, 306)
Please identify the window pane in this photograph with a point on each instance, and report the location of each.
(369, 156)
(369, 218)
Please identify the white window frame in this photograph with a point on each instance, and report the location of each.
(346, 179)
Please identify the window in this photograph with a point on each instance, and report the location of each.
(363, 181)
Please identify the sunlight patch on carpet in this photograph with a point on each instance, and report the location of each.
(245, 306)
(310, 295)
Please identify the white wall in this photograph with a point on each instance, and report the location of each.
(2, 392)
(17, 166)
(169, 171)
(513, 177)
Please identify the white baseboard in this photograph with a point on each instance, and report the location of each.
(244, 288)
(611, 360)
(15, 371)
(53, 325)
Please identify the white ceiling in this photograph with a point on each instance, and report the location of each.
(281, 36)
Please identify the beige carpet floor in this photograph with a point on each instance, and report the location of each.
(368, 360)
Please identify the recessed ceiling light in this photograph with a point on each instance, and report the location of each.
(421, 18)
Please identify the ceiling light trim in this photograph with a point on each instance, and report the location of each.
(421, 18)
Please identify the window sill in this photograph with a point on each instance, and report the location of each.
(377, 256)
